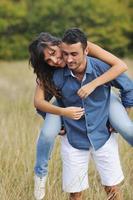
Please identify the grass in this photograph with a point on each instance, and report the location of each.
(19, 127)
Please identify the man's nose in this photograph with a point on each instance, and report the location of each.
(69, 58)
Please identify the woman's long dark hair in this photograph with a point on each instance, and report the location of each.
(43, 71)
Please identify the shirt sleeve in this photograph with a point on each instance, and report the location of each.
(122, 82)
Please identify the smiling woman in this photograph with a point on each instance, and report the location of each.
(38, 50)
(53, 56)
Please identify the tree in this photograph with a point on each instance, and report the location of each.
(107, 23)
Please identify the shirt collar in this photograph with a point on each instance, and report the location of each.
(88, 68)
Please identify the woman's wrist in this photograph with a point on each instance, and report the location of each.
(96, 83)
(61, 110)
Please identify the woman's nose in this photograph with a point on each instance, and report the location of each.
(55, 60)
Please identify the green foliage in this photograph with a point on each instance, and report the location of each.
(107, 23)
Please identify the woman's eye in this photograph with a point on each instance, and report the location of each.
(53, 53)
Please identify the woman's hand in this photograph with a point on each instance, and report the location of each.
(73, 112)
(86, 90)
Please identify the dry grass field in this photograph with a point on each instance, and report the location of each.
(19, 127)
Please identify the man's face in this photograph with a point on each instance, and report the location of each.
(74, 55)
(53, 56)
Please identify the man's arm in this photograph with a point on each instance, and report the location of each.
(117, 66)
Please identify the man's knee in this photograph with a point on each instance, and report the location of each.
(76, 196)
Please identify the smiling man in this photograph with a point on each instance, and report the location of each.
(89, 135)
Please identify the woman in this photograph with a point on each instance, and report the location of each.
(48, 47)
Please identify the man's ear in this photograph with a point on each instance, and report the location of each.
(86, 51)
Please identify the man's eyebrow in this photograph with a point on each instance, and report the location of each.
(69, 52)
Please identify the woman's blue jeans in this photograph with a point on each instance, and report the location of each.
(118, 118)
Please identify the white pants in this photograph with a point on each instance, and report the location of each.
(76, 162)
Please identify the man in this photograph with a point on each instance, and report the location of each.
(90, 133)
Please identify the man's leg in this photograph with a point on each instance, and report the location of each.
(76, 196)
(108, 165)
(113, 192)
(75, 169)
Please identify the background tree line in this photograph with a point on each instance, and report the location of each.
(107, 23)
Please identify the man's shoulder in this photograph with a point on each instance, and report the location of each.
(97, 64)
(94, 60)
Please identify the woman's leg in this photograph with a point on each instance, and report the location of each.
(120, 120)
(45, 143)
(48, 133)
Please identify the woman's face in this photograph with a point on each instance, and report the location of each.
(53, 56)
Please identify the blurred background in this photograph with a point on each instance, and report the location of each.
(108, 24)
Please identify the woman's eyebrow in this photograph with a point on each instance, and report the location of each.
(51, 49)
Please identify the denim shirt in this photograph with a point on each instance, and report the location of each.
(91, 130)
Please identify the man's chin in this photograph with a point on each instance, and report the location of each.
(71, 66)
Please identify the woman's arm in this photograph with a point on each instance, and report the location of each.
(117, 67)
(43, 105)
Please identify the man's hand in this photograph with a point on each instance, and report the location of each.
(86, 90)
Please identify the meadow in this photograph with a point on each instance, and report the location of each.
(19, 128)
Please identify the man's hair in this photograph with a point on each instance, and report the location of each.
(75, 35)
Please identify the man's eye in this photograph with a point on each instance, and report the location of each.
(74, 54)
